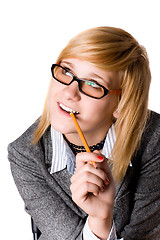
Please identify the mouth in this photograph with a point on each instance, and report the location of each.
(67, 109)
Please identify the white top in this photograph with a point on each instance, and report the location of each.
(63, 156)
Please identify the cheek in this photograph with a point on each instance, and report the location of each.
(107, 109)
(52, 101)
(53, 92)
(112, 102)
(53, 88)
(99, 113)
(104, 106)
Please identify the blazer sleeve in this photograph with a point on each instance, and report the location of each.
(51, 213)
(145, 216)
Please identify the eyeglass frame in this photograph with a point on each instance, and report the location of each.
(106, 91)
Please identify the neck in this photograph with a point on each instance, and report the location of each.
(76, 148)
(92, 139)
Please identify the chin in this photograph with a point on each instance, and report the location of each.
(62, 128)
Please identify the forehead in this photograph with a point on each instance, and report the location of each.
(84, 69)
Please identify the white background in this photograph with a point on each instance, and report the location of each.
(32, 33)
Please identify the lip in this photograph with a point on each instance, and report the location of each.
(63, 111)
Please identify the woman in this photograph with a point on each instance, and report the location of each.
(103, 77)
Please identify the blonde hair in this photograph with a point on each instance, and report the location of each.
(113, 49)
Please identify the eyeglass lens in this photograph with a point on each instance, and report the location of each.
(90, 88)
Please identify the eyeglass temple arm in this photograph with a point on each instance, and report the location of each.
(115, 92)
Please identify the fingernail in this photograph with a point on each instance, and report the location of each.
(95, 194)
(103, 188)
(94, 164)
(100, 158)
(107, 180)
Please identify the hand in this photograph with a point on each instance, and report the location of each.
(91, 190)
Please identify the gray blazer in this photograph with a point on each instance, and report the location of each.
(48, 198)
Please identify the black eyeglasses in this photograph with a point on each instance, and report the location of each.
(89, 88)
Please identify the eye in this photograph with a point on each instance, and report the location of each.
(67, 72)
(92, 84)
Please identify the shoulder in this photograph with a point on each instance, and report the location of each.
(148, 152)
(23, 145)
(153, 124)
(151, 136)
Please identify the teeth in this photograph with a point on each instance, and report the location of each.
(67, 109)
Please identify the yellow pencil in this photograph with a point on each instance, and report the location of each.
(81, 135)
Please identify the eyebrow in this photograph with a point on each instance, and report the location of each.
(70, 64)
(94, 75)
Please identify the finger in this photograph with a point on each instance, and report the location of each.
(81, 193)
(87, 170)
(105, 167)
(88, 157)
(88, 177)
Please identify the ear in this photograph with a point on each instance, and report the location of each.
(115, 113)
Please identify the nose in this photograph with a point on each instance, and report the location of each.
(71, 92)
